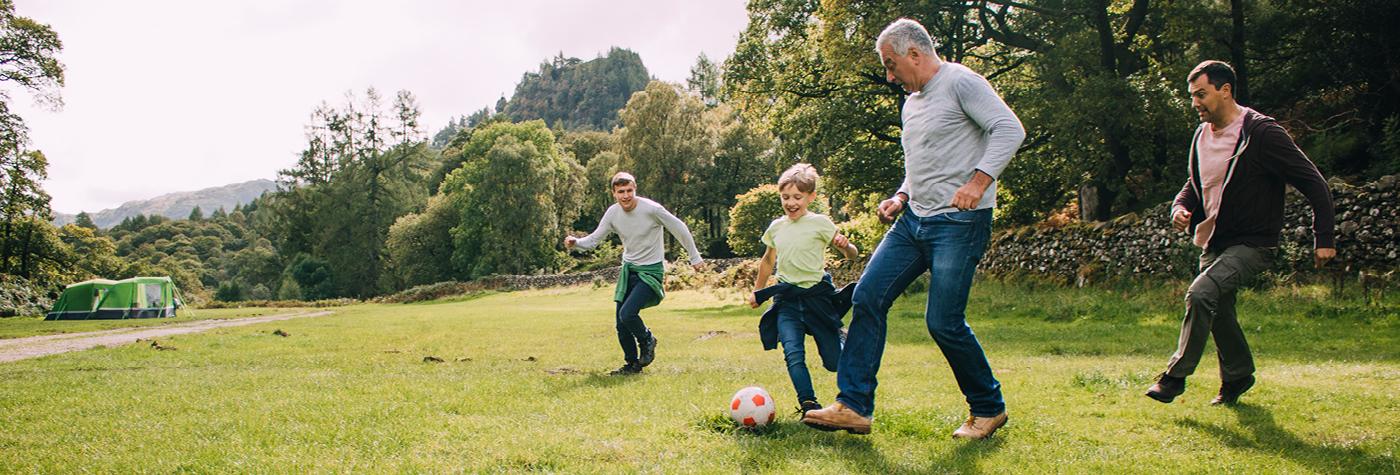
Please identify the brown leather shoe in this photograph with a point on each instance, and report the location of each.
(980, 427)
(837, 417)
(1230, 391)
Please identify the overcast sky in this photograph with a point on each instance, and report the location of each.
(179, 95)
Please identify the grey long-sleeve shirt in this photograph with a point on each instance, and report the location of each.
(955, 125)
(640, 230)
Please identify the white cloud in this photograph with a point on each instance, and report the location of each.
(166, 96)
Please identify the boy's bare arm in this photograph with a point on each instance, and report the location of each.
(844, 244)
(765, 270)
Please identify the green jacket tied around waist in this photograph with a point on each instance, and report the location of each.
(651, 274)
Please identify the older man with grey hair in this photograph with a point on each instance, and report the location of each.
(958, 136)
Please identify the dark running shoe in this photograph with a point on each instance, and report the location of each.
(627, 370)
(648, 351)
(1230, 391)
(808, 405)
(1167, 388)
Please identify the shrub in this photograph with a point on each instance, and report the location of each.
(753, 212)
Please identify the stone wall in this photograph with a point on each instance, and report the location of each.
(1144, 244)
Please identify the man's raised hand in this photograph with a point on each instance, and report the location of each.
(1181, 219)
(890, 208)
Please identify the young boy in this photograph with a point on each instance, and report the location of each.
(638, 221)
(804, 300)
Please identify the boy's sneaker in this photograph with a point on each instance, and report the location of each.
(808, 405)
(627, 370)
(648, 351)
(1167, 388)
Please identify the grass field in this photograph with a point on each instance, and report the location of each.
(522, 388)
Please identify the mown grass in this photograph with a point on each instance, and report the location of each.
(522, 389)
(18, 327)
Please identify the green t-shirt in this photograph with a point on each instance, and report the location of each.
(801, 247)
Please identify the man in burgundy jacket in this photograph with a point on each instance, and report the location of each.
(1232, 206)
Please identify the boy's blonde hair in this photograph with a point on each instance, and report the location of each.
(803, 176)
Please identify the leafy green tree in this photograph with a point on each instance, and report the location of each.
(665, 141)
(755, 210)
(229, 292)
(419, 246)
(516, 187)
(196, 214)
(93, 255)
(312, 276)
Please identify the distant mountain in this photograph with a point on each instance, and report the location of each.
(178, 205)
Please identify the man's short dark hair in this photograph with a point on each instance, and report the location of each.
(1218, 73)
(623, 178)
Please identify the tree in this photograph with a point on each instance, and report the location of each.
(28, 59)
(196, 214)
(665, 142)
(743, 159)
(419, 246)
(516, 188)
(23, 203)
(705, 80)
(84, 220)
(362, 169)
(808, 70)
(753, 212)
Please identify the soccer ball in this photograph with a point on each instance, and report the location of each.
(752, 407)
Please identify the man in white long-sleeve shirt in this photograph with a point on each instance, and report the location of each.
(958, 135)
(639, 222)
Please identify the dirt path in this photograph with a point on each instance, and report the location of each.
(35, 346)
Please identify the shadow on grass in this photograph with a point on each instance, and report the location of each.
(720, 311)
(1264, 435)
(766, 448)
(601, 379)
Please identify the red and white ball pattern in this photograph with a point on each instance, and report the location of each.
(752, 407)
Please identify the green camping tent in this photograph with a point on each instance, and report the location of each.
(137, 297)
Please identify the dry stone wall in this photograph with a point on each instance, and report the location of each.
(1144, 244)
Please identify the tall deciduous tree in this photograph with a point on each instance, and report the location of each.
(665, 141)
(518, 190)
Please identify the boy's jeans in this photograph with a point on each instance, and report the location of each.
(631, 331)
(792, 332)
(949, 246)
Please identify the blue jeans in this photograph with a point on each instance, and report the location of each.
(948, 246)
(792, 332)
(631, 331)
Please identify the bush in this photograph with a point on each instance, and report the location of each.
(753, 212)
(864, 229)
(229, 292)
(19, 296)
(281, 303)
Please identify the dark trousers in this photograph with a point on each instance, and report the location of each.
(1210, 311)
(631, 331)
